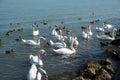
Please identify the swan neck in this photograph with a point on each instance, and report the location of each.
(72, 48)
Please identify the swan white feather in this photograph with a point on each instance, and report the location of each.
(57, 44)
(35, 32)
(65, 51)
(32, 72)
(105, 37)
(35, 60)
(31, 42)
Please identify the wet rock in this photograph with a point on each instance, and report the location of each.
(80, 78)
(109, 68)
(102, 75)
(92, 65)
(88, 73)
(105, 61)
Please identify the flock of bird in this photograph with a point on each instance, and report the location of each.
(62, 44)
(36, 70)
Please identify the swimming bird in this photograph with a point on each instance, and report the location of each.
(35, 32)
(65, 51)
(36, 59)
(31, 42)
(19, 39)
(99, 29)
(89, 29)
(54, 32)
(76, 43)
(105, 37)
(58, 44)
(34, 42)
(32, 72)
(0, 41)
(107, 26)
(85, 35)
(11, 51)
(72, 38)
(115, 42)
(40, 73)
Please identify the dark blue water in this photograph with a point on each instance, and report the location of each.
(26, 12)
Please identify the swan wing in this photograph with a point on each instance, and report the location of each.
(39, 76)
(32, 72)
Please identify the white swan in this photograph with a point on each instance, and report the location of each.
(76, 43)
(105, 37)
(107, 26)
(99, 29)
(40, 73)
(89, 30)
(85, 35)
(36, 59)
(35, 32)
(54, 32)
(58, 44)
(38, 76)
(65, 51)
(32, 72)
(34, 42)
(31, 42)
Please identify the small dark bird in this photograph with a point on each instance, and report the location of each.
(115, 42)
(0, 41)
(11, 51)
(97, 20)
(82, 27)
(104, 44)
(19, 39)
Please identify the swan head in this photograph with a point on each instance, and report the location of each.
(42, 51)
(115, 29)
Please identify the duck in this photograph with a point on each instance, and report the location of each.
(11, 51)
(65, 51)
(105, 37)
(35, 59)
(19, 39)
(115, 42)
(0, 41)
(57, 44)
(32, 72)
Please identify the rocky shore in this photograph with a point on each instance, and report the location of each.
(102, 69)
